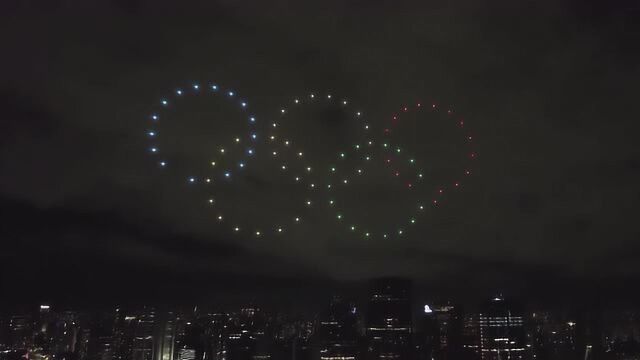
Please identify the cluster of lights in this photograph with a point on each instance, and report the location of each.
(393, 158)
(192, 90)
(303, 173)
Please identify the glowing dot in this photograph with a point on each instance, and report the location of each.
(258, 233)
(274, 124)
(250, 151)
(151, 133)
(405, 109)
(358, 113)
(154, 149)
(272, 137)
(419, 104)
(397, 173)
(214, 87)
(210, 201)
(328, 186)
(339, 217)
(296, 101)
(353, 228)
(208, 180)
(411, 161)
(440, 191)
(241, 165)
(433, 106)
(279, 230)
(435, 202)
(219, 217)
(297, 178)
(213, 163)
(154, 117)
(163, 164)
(456, 184)
(370, 142)
(252, 119)
(357, 146)
(312, 96)
(328, 96)
(299, 154)
(421, 207)
(330, 202)
(275, 153)
(398, 150)
(308, 203)
(230, 93)
(222, 150)
(409, 185)
(297, 219)
(236, 229)
(368, 158)
(282, 111)
(400, 232)
(244, 104)
(333, 169)
(385, 145)
(342, 155)
(227, 174)
(286, 143)
(253, 136)
(312, 185)
(366, 234)
(461, 123)
(345, 181)
(420, 176)
(192, 180)
(384, 236)
(308, 169)
(284, 167)
(344, 102)
(469, 138)
(467, 172)
(359, 171)
(237, 140)
(164, 102)
(366, 127)
(179, 92)
(413, 221)
(196, 86)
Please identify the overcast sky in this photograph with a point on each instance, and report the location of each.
(548, 88)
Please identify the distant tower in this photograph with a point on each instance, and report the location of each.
(143, 348)
(337, 331)
(389, 325)
(502, 332)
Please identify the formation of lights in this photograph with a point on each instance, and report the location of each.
(370, 149)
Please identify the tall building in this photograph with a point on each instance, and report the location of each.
(337, 331)
(143, 345)
(502, 332)
(389, 326)
(164, 338)
(427, 334)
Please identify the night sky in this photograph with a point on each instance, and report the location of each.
(549, 90)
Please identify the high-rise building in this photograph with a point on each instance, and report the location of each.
(389, 326)
(502, 331)
(337, 331)
(427, 334)
(164, 338)
(142, 348)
